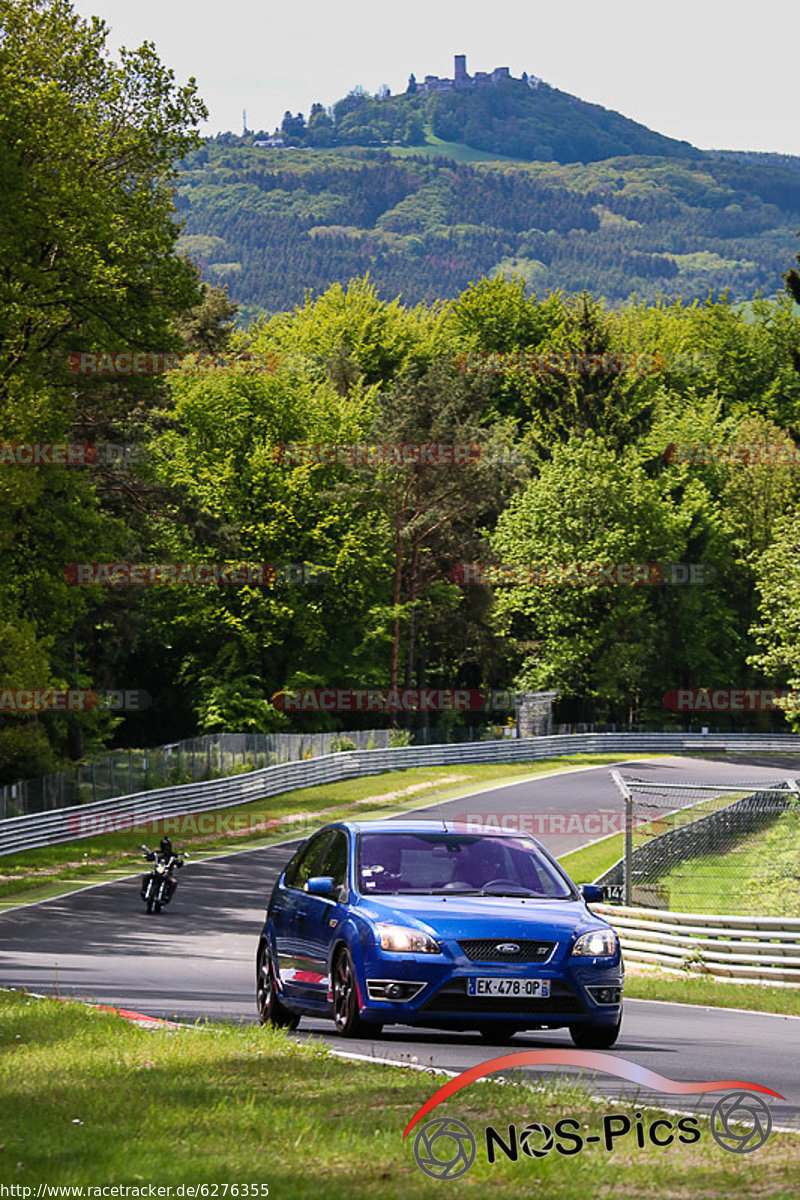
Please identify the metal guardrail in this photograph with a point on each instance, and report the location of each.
(739, 949)
(104, 816)
(208, 756)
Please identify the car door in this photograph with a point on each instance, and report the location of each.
(318, 919)
(291, 951)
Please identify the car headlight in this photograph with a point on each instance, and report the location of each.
(405, 940)
(598, 943)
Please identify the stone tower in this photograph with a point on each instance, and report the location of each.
(461, 78)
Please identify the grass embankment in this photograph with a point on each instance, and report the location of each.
(55, 870)
(757, 876)
(89, 1099)
(593, 861)
(760, 875)
(714, 993)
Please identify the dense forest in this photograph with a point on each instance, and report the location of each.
(272, 224)
(571, 406)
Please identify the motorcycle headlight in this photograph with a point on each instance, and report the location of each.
(405, 940)
(160, 868)
(598, 943)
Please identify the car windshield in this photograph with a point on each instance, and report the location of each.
(470, 864)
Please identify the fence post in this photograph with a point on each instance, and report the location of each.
(628, 863)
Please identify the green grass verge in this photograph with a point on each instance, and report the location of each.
(759, 875)
(89, 1099)
(716, 993)
(591, 862)
(56, 870)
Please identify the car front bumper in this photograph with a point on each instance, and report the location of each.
(433, 990)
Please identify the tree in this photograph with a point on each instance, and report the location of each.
(88, 147)
(434, 512)
(414, 134)
(792, 281)
(777, 632)
(411, 90)
(207, 327)
(594, 642)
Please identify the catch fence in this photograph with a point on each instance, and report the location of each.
(709, 847)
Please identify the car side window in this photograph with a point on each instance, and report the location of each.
(304, 865)
(334, 860)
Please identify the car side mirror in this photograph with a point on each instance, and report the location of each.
(322, 885)
(592, 893)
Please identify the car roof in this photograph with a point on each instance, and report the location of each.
(394, 826)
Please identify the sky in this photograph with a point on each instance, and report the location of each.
(718, 73)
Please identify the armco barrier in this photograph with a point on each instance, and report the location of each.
(67, 824)
(739, 949)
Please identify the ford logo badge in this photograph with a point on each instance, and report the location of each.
(507, 948)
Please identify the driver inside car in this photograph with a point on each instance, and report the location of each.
(485, 862)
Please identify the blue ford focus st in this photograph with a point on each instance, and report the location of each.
(418, 923)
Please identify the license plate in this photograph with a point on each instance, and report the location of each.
(492, 986)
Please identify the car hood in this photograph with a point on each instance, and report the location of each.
(484, 916)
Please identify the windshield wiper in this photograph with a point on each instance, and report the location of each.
(516, 892)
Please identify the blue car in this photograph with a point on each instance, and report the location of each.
(418, 923)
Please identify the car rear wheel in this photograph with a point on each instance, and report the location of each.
(345, 997)
(270, 1009)
(595, 1037)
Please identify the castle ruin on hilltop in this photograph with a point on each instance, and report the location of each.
(461, 80)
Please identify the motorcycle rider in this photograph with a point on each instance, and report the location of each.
(170, 860)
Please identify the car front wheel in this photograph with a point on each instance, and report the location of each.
(345, 997)
(270, 1009)
(595, 1037)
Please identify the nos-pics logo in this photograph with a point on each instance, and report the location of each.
(445, 1148)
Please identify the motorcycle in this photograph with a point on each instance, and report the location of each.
(159, 886)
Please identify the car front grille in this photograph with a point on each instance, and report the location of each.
(486, 950)
(452, 999)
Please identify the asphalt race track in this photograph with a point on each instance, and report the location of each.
(197, 958)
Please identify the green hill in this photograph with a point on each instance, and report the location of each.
(507, 117)
(273, 223)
